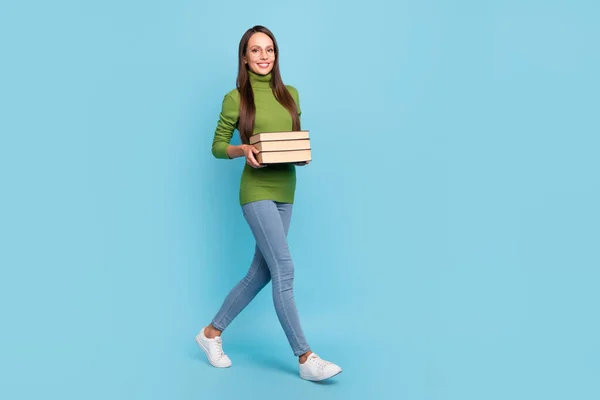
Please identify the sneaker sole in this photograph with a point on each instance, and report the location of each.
(317, 379)
(199, 342)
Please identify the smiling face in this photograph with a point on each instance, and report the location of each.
(260, 54)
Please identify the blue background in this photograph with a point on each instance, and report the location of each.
(446, 236)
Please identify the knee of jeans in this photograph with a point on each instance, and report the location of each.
(261, 278)
(286, 281)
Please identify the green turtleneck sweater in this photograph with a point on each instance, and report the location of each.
(273, 182)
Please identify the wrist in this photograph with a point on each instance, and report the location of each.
(236, 151)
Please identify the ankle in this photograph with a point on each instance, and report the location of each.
(303, 357)
(211, 332)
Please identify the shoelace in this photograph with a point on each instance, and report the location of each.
(320, 362)
(219, 347)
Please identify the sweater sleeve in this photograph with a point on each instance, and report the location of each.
(228, 122)
(294, 92)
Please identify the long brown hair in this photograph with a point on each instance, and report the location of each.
(282, 95)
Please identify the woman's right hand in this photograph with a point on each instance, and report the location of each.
(249, 152)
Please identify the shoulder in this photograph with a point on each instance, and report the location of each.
(292, 89)
(294, 92)
(233, 95)
(231, 102)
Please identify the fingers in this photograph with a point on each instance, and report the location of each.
(251, 160)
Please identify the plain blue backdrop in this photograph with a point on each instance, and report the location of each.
(446, 236)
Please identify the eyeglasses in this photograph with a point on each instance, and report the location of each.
(258, 53)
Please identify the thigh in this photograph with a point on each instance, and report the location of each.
(285, 212)
(269, 230)
(259, 262)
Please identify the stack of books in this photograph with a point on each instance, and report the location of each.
(282, 147)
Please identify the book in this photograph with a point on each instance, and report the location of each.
(283, 145)
(271, 136)
(278, 157)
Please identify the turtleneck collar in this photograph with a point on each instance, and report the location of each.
(259, 81)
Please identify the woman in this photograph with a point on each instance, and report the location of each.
(262, 103)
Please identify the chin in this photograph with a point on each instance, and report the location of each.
(263, 71)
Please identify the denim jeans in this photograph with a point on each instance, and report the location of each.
(269, 222)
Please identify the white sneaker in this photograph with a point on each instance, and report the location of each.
(213, 349)
(317, 369)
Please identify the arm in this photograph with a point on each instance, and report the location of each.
(239, 151)
(294, 92)
(228, 121)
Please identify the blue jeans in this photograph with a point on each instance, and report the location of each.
(269, 222)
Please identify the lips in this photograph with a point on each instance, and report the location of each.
(263, 65)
